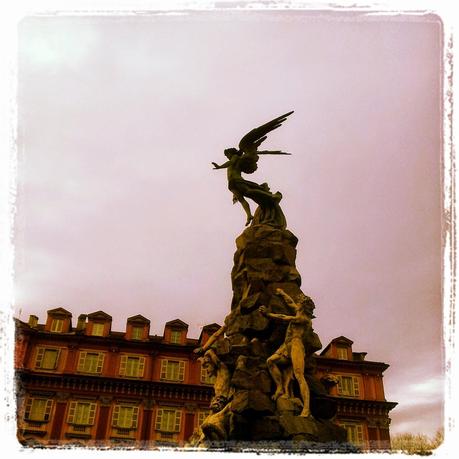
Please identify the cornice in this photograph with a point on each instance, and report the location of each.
(90, 383)
(364, 402)
(108, 342)
(340, 363)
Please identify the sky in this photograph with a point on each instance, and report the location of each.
(118, 208)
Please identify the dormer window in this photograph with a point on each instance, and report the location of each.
(59, 321)
(99, 324)
(57, 325)
(339, 348)
(97, 329)
(341, 352)
(138, 328)
(137, 333)
(175, 332)
(176, 336)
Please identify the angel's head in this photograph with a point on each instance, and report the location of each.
(230, 152)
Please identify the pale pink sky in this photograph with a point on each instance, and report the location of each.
(120, 210)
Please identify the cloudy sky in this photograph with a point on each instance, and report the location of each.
(119, 209)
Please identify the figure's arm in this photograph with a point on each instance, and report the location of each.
(222, 166)
(288, 299)
(271, 315)
(210, 341)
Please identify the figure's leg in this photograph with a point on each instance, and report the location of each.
(246, 207)
(275, 374)
(298, 370)
(288, 375)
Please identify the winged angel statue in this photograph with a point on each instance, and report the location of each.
(245, 160)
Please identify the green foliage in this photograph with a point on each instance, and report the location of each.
(416, 443)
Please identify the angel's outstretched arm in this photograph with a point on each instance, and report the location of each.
(222, 166)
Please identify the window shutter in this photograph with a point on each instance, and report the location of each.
(123, 363)
(37, 410)
(58, 353)
(71, 415)
(135, 417)
(163, 369)
(141, 367)
(159, 417)
(49, 359)
(181, 375)
(49, 405)
(92, 413)
(356, 385)
(203, 374)
(28, 408)
(40, 353)
(81, 361)
(115, 416)
(340, 385)
(359, 433)
(100, 362)
(178, 419)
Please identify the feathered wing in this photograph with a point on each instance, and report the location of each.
(272, 152)
(252, 140)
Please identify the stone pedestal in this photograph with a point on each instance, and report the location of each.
(265, 261)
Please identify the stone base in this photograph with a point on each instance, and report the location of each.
(264, 262)
(290, 427)
(288, 433)
(283, 446)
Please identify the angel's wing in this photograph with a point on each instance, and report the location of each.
(251, 141)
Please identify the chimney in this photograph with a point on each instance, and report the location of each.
(81, 322)
(33, 321)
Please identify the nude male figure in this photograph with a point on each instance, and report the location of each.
(291, 352)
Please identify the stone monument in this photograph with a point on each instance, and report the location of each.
(265, 393)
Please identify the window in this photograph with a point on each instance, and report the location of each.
(57, 325)
(47, 358)
(176, 336)
(354, 432)
(348, 386)
(97, 329)
(202, 415)
(206, 378)
(172, 370)
(168, 420)
(90, 362)
(341, 352)
(137, 333)
(38, 409)
(132, 366)
(82, 413)
(125, 416)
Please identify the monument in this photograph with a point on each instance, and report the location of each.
(265, 393)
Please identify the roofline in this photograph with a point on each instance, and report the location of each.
(341, 362)
(171, 322)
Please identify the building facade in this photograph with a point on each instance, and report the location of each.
(89, 385)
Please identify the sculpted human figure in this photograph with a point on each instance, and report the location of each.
(245, 160)
(291, 352)
(214, 427)
(215, 367)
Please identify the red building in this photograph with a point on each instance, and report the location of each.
(90, 385)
